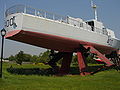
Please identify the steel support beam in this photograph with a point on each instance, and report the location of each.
(65, 67)
(101, 56)
(82, 64)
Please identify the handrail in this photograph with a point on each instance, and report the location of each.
(36, 12)
(53, 16)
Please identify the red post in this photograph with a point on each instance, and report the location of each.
(82, 64)
(65, 67)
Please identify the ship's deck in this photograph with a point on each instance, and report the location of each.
(52, 16)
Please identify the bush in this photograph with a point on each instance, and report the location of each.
(31, 71)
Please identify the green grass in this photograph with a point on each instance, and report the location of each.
(105, 80)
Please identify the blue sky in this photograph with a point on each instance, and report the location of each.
(108, 13)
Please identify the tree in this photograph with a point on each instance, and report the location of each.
(19, 57)
(74, 60)
(44, 57)
(35, 59)
(27, 57)
(12, 58)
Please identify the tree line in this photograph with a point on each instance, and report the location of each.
(24, 57)
(41, 58)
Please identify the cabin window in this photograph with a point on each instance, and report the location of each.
(105, 31)
(81, 24)
(91, 23)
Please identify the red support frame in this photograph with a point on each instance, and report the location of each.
(65, 67)
(101, 56)
(82, 64)
(67, 58)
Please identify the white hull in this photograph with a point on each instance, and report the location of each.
(37, 24)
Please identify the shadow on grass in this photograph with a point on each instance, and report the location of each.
(50, 71)
(31, 71)
(91, 69)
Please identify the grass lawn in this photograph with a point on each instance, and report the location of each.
(104, 80)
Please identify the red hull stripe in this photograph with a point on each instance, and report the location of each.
(53, 41)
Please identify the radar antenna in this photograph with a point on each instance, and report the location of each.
(95, 10)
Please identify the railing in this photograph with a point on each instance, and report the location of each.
(36, 12)
(52, 16)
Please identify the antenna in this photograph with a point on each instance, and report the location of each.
(95, 9)
(4, 10)
(91, 3)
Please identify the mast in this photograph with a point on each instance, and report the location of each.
(4, 12)
(95, 10)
